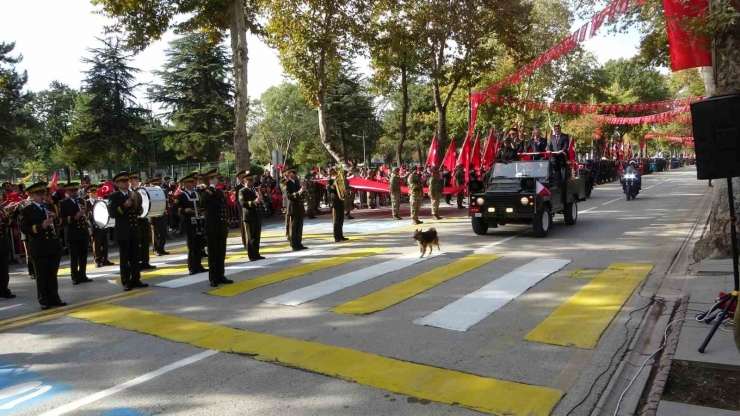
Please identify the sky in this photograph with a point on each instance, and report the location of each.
(53, 36)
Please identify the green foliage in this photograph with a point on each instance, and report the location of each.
(642, 82)
(52, 109)
(14, 115)
(73, 149)
(421, 123)
(686, 83)
(197, 97)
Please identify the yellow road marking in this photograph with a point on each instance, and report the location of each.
(440, 385)
(399, 292)
(50, 314)
(584, 273)
(582, 319)
(257, 282)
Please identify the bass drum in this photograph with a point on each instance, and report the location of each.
(101, 216)
(153, 201)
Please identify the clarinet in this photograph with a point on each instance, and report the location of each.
(53, 226)
(198, 220)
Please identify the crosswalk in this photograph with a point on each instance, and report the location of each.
(379, 279)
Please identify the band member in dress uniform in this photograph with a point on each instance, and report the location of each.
(284, 188)
(125, 207)
(337, 207)
(159, 225)
(144, 227)
(76, 230)
(215, 207)
(6, 220)
(250, 199)
(310, 195)
(240, 214)
(187, 206)
(201, 186)
(436, 185)
(44, 246)
(99, 235)
(295, 192)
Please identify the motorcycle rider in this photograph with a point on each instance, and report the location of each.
(632, 168)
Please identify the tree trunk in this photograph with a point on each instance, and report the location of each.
(324, 127)
(404, 113)
(239, 58)
(441, 117)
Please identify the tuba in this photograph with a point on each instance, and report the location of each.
(340, 183)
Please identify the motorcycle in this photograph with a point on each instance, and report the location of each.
(631, 185)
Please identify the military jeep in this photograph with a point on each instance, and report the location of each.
(526, 192)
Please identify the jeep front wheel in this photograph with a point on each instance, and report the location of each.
(480, 227)
(541, 222)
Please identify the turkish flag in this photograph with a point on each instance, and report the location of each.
(572, 149)
(475, 156)
(106, 189)
(686, 50)
(232, 198)
(53, 184)
(464, 157)
(433, 150)
(449, 160)
(540, 189)
(488, 152)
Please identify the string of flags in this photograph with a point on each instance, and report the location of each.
(674, 116)
(578, 108)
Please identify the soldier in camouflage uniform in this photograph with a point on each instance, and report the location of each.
(395, 183)
(435, 192)
(460, 181)
(415, 196)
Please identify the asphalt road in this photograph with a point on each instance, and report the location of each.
(356, 344)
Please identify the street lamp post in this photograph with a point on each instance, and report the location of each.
(364, 155)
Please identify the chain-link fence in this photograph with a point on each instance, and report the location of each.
(226, 169)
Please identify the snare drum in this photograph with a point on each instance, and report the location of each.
(153, 201)
(101, 216)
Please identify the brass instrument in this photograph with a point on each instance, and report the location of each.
(82, 203)
(340, 183)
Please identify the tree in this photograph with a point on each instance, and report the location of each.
(113, 120)
(13, 102)
(52, 109)
(73, 149)
(314, 38)
(394, 56)
(631, 77)
(147, 20)
(284, 120)
(422, 116)
(196, 96)
(460, 40)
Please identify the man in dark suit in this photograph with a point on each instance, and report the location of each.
(250, 200)
(216, 212)
(44, 246)
(125, 207)
(76, 230)
(187, 206)
(559, 141)
(240, 214)
(145, 228)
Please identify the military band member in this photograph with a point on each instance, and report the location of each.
(337, 207)
(310, 195)
(295, 193)
(349, 199)
(395, 188)
(216, 212)
(44, 246)
(240, 185)
(436, 185)
(250, 199)
(159, 226)
(187, 205)
(144, 227)
(6, 220)
(76, 230)
(125, 207)
(199, 188)
(286, 202)
(415, 196)
(99, 235)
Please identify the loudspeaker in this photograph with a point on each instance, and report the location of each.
(716, 125)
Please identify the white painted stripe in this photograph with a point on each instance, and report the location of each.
(71, 407)
(588, 210)
(16, 402)
(474, 307)
(613, 200)
(505, 240)
(11, 306)
(238, 268)
(309, 293)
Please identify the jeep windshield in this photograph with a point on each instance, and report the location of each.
(516, 170)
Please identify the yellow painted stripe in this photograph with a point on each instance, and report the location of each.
(582, 319)
(257, 282)
(432, 383)
(584, 273)
(57, 312)
(399, 292)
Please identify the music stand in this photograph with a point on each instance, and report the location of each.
(716, 126)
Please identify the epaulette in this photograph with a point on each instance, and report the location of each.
(210, 192)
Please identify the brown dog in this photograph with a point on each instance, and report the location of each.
(426, 239)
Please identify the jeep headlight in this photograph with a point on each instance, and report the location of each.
(480, 201)
(524, 200)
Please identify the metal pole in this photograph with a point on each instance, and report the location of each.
(364, 156)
